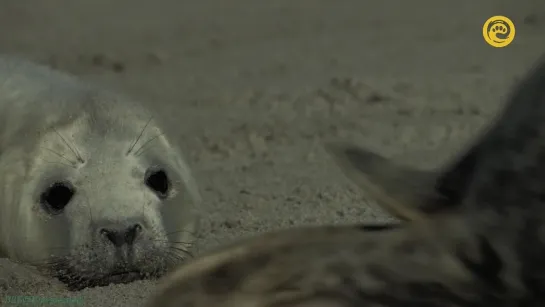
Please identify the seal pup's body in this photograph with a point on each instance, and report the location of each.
(484, 247)
(91, 190)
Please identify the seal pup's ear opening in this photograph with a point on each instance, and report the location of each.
(407, 193)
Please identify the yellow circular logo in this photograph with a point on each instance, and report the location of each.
(499, 31)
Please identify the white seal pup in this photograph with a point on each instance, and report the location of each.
(91, 190)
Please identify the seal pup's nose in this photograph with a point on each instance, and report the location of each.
(119, 236)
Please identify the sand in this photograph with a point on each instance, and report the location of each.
(253, 88)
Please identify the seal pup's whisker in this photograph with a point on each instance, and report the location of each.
(60, 163)
(72, 149)
(175, 257)
(139, 136)
(177, 242)
(136, 153)
(71, 163)
(111, 211)
(180, 231)
(184, 251)
(88, 202)
(179, 246)
(180, 243)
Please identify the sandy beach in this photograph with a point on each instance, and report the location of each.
(254, 88)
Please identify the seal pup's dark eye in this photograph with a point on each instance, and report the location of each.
(157, 180)
(57, 196)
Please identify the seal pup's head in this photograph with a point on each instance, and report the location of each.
(485, 247)
(93, 191)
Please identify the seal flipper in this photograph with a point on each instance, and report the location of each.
(405, 192)
(402, 191)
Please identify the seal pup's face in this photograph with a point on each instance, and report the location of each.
(113, 199)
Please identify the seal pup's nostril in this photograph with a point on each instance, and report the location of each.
(132, 233)
(120, 237)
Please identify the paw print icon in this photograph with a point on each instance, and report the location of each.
(498, 31)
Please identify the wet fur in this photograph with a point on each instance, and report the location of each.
(484, 246)
(55, 127)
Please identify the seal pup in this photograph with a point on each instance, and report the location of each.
(91, 189)
(486, 249)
